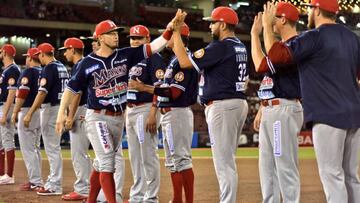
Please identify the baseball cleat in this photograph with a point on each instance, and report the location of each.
(44, 192)
(29, 187)
(7, 180)
(73, 196)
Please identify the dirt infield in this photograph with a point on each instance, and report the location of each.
(206, 187)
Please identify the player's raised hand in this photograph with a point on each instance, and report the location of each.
(269, 14)
(136, 85)
(257, 25)
(27, 120)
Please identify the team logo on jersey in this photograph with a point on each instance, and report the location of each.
(117, 89)
(179, 76)
(135, 71)
(104, 136)
(24, 81)
(199, 53)
(43, 81)
(168, 73)
(105, 76)
(11, 81)
(159, 74)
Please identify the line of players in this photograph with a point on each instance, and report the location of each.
(92, 104)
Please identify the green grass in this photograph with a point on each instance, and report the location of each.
(304, 153)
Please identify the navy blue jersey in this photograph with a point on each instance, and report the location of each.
(329, 59)
(184, 79)
(106, 78)
(54, 78)
(84, 92)
(29, 80)
(283, 83)
(151, 72)
(8, 80)
(225, 69)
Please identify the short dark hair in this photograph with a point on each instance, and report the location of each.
(230, 27)
(49, 54)
(36, 60)
(79, 51)
(328, 14)
(291, 23)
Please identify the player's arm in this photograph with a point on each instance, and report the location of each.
(151, 120)
(19, 102)
(180, 51)
(6, 107)
(256, 51)
(39, 99)
(66, 101)
(267, 20)
(171, 92)
(257, 119)
(159, 43)
(72, 111)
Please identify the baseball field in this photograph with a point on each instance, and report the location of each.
(206, 186)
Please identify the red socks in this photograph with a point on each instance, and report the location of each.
(2, 162)
(94, 186)
(177, 182)
(108, 185)
(188, 182)
(10, 160)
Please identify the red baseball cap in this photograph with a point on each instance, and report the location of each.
(72, 42)
(9, 49)
(139, 31)
(288, 11)
(327, 5)
(184, 30)
(106, 26)
(223, 14)
(32, 52)
(45, 48)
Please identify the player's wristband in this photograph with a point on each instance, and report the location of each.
(167, 34)
(162, 91)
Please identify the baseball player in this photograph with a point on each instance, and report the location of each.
(54, 78)
(9, 76)
(79, 143)
(142, 122)
(175, 95)
(280, 116)
(29, 138)
(328, 59)
(224, 65)
(105, 74)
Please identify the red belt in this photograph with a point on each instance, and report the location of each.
(164, 110)
(209, 103)
(272, 102)
(131, 105)
(107, 112)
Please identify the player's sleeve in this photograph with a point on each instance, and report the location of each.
(283, 54)
(12, 78)
(182, 79)
(207, 57)
(135, 54)
(47, 79)
(24, 84)
(78, 81)
(156, 69)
